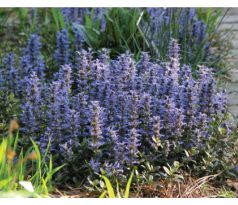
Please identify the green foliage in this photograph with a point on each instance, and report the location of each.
(28, 168)
(58, 18)
(9, 107)
(23, 16)
(172, 172)
(121, 33)
(221, 41)
(125, 30)
(226, 193)
(217, 156)
(128, 29)
(110, 193)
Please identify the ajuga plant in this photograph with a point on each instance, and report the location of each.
(9, 88)
(113, 115)
(111, 111)
(31, 59)
(62, 47)
(15, 84)
(9, 75)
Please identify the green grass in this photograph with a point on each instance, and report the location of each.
(120, 193)
(19, 169)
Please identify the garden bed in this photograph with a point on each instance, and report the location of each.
(93, 108)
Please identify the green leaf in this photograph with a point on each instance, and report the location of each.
(176, 164)
(16, 141)
(186, 152)
(128, 185)
(5, 182)
(166, 170)
(221, 130)
(58, 18)
(103, 194)
(110, 190)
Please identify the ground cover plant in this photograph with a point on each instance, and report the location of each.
(109, 112)
(105, 106)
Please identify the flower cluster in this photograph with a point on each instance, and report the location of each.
(14, 78)
(32, 59)
(9, 75)
(62, 52)
(121, 108)
(32, 107)
(118, 108)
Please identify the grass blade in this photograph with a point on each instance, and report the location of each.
(103, 194)
(128, 186)
(110, 190)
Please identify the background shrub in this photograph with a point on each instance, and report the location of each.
(123, 29)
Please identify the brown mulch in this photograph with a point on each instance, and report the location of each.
(71, 192)
(187, 188)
